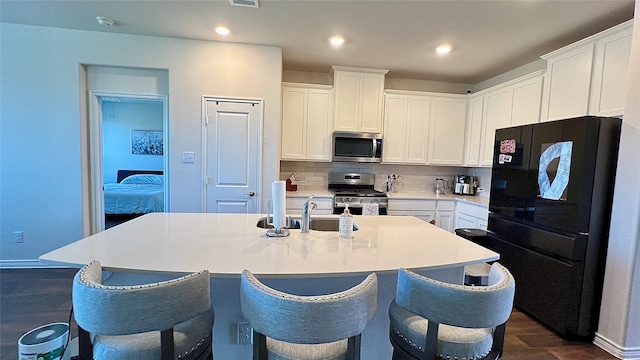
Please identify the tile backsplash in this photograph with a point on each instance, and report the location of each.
(414, 178)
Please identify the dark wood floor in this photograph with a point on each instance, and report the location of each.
(34, 297)
(30, 298)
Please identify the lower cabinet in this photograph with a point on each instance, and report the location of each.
(422, 209)
(440, 211)
(471, 216)
(445, 214)
(324, 205)
(448, 214)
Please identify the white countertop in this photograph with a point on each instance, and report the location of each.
(226, 244)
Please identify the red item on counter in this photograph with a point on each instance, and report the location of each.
(291, 186)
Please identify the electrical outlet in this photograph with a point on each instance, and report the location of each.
(245, 333)
(18, 236)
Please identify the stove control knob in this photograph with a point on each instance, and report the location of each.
(361, 201)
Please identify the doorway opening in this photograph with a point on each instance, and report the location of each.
(128, 146)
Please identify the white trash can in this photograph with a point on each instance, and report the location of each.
(45, 343)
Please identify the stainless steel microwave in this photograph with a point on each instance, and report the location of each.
(357, 147)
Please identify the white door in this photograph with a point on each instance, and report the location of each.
(232, 155)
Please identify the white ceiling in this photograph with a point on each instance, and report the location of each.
(488, 37)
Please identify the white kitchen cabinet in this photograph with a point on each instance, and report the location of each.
(447, 130)
(514, 103)
(588, 77)
(307, 118)
(424, 128)
(567, 83)
(395, 128)
(610, 73)
(406, 123)
(442, 211)
(445, 214)
(472, 216)
(526, 101)
(421, 208)
(358, 99)
(473, 130)
(466, 221)
(496, 114)
(445, 220)
(324, 205)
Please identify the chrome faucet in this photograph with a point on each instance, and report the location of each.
(306, 214)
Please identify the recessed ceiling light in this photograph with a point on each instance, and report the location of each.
(223, 30)
(336, 40)
(443, 49)
(104, 21)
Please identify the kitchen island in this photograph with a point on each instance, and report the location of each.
(306, 264)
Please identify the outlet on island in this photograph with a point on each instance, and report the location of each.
(18, 236)
(245, 333)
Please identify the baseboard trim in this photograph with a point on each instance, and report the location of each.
(33, 263)
(615, 349)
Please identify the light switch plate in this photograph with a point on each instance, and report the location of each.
(188, 157)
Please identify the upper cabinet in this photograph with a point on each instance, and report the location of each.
(406, 123)
(307, 119)
(446, 130)
(423, 128)
(610, 73)
(568, 80)
(473, 129)
(358, 99)
(496, 115)
(588, 77)
(513, 103)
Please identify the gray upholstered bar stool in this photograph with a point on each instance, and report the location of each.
(435, 320)
(307, 327)
(166, 320)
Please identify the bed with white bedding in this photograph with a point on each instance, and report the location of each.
(135, 194)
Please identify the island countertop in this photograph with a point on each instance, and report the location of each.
(226, 244)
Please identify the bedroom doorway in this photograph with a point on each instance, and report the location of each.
(128, 142)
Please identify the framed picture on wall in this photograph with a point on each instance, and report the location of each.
(146, 142)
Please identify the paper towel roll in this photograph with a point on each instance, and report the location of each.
(279, 196)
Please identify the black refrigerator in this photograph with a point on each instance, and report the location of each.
(549, 215)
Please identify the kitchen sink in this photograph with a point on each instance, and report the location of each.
(262, 223)
(327, 224)
(316, 223)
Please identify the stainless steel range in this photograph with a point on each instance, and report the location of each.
(355, 190)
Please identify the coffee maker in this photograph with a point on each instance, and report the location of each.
(465, 185)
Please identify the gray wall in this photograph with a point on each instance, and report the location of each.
(43, 161)
(620, 311)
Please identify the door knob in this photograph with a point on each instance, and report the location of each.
(250, 193)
